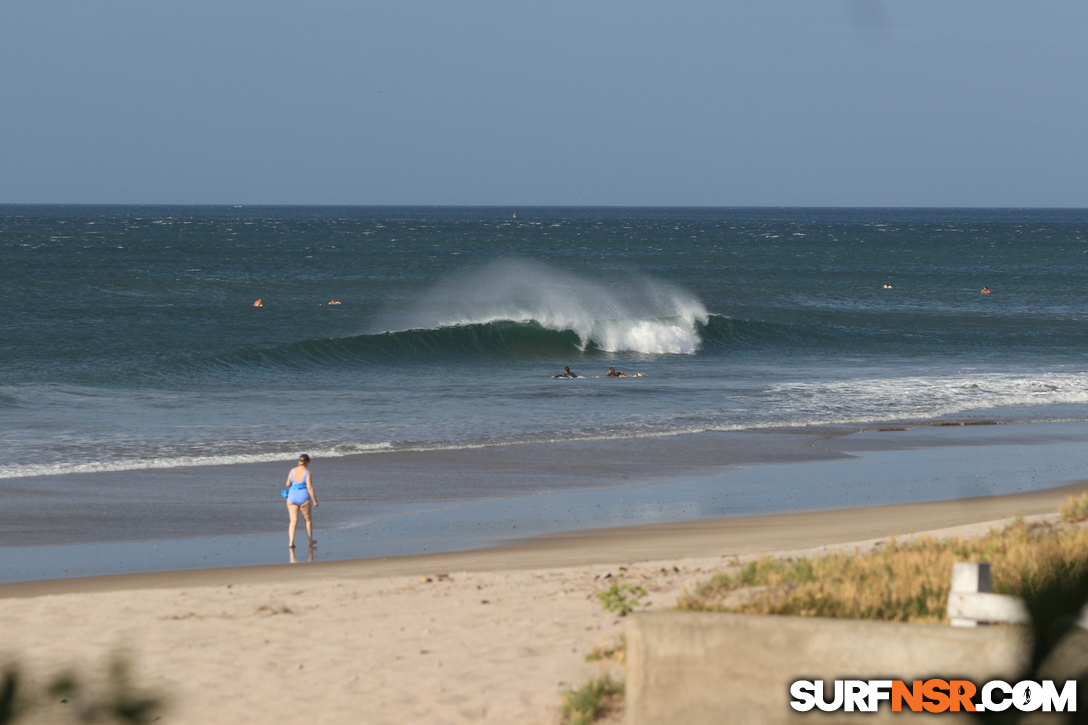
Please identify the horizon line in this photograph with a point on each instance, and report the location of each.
(225, 205)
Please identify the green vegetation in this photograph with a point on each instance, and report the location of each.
(905, 582)
(120, 703)
(622, 598)
(9, 696)
(596, 698)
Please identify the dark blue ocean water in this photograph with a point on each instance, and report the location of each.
(128, 338)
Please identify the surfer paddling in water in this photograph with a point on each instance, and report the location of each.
(567, 374)
(300, 497)
(613, 373)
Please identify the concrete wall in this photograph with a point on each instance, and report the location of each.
(694, 668)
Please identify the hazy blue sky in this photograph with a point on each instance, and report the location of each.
(805, 102)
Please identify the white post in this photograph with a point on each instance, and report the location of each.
(969, 577)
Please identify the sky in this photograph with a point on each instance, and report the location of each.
(587, 102)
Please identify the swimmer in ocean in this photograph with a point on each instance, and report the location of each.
(612, 373)
(259, 302)
(566, 374)
(985, 290)
(334, 302)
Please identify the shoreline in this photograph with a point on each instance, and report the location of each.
(383, 483)
(722, 537)
(532, 493)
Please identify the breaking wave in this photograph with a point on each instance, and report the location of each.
(638, 314)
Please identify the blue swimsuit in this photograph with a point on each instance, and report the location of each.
(298, 494)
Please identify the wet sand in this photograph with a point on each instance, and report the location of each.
(243, 499)
(688, 539)
(382, 506)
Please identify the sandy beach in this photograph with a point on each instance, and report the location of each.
(485, 636)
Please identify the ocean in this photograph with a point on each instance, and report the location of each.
(129, 340)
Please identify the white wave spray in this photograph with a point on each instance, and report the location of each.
(638, 314)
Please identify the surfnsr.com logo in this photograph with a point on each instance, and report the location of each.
(934, 696)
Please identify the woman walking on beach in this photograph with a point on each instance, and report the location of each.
(300, 497)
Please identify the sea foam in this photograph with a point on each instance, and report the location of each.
(637, 314)
(183, 461)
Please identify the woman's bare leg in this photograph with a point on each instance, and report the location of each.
(292, 514)
(306, 509)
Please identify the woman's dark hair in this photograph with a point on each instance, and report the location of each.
(304, 457)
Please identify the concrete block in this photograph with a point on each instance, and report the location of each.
(703, 668)
(977, 607)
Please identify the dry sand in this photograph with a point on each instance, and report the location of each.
(490, 636)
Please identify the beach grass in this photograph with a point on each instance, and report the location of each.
(902, 581)
(596, 698)
(1075, 509)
